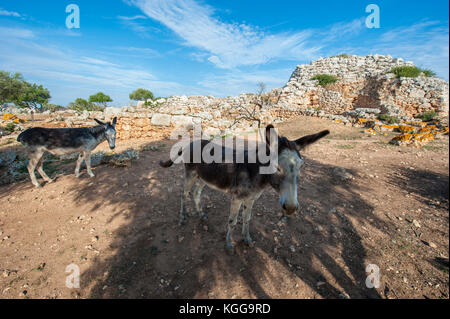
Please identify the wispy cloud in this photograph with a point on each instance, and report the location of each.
(16, 32)
(68, 73)
(9, 13)
(228, 45)
(136, 17)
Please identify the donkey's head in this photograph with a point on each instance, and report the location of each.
(110, 132)
(285, 179)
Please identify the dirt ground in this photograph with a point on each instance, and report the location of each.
(121, 228)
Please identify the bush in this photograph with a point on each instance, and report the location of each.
(428, 116)
(428, 73)
(343, 55)
(407, 71)
(325, 79)
(389, 119)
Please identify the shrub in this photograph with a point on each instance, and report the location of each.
(407, 71)
(428, 116)
(343, 55)
(325, 79)
(428, 73)
(388, 118)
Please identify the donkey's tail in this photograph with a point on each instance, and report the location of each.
(169, 162)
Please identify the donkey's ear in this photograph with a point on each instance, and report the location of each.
(100, 122)
(271, 134)
(114, 122)
(309, 139)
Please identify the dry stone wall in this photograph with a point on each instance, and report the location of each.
(365, 88)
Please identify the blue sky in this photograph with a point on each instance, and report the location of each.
(200, 47)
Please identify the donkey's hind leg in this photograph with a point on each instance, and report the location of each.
(197, 194)
(35, 157)
(41, 171)
(189, 179)
(77, 167)
(87, 159)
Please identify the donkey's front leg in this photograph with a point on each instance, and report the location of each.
(77, 167)
(87, 159)
(232, 221)
(35, 158)
(246, 216)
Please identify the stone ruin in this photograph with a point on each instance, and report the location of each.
(364, 89)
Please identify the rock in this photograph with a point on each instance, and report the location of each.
(341, 174)
(416, 223)
(161, 119)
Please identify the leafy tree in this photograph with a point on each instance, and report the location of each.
(32, 96)
(141, 95)
(14, 89)
(100, 98)
(10, 86)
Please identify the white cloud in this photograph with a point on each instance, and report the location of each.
(9, 13)
(136, 17)
(66, 73)
(229, 45)
(16, 33)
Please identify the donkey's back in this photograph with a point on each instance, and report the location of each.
(51, 138)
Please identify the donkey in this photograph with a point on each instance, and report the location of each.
(62, 141)
(244, 181)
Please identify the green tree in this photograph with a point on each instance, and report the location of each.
(32, 96)
(141, 95)
(100, 98)
(10, 86)
(14, 89)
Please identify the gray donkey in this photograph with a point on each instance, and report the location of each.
(61, 141)
(243, 181)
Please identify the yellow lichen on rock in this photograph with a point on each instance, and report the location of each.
(402, 140)
(8, 116)
(418, 139)
(370, 131)
(422, 139)
(406, 129)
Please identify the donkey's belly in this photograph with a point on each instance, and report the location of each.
(64, 150)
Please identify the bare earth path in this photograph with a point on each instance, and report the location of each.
(121, 229)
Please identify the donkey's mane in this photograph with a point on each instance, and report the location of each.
(96, 130)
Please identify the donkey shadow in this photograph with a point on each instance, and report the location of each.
(154, 257)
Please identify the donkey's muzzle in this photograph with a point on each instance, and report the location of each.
(112, 147)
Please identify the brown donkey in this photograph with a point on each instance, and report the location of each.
(244, 180)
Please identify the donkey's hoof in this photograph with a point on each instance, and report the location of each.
(92, 175)
(37, 185)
